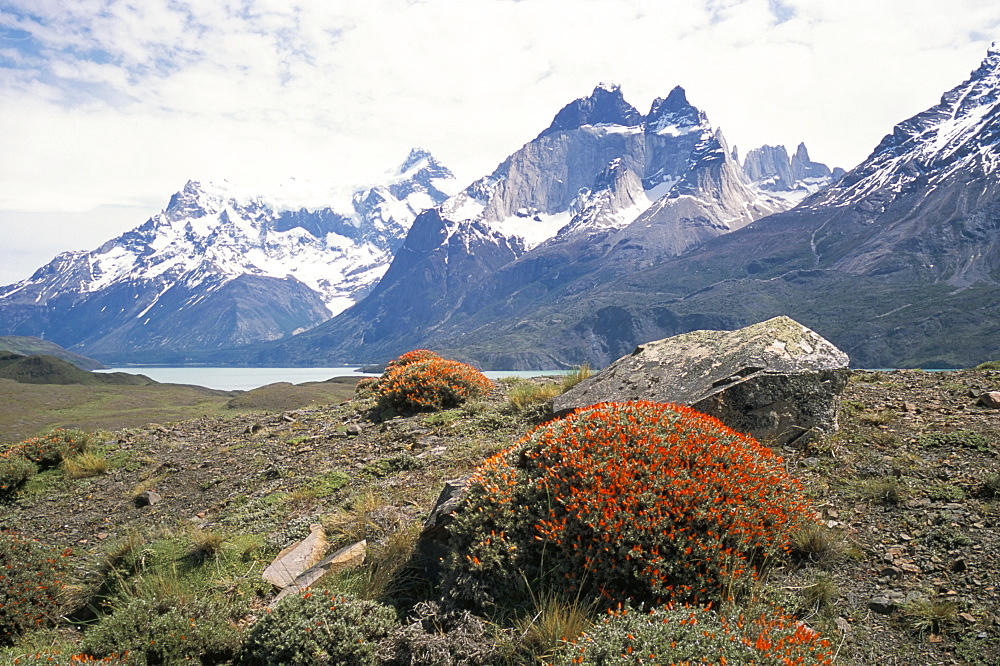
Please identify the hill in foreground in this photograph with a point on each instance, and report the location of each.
(904, 573)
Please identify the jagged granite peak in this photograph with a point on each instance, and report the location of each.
(912, 284)
(603, 188)
(674, 114)
(769, 164)
(605, 106)
(803, 167)
(770, 169)
(308, 250)
(959, 134)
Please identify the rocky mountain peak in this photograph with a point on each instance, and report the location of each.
(769, 168)
(605, 106)
(413, 160)
(674, 114)
(961, 133)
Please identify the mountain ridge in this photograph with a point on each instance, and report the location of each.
(220, 267)
(587, 189)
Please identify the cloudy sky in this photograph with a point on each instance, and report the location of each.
(107, 107)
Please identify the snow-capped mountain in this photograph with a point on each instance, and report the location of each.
(897, 263)
(958, 135)
(603, 186)
(224, 267)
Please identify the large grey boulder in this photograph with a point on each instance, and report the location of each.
(777, 380)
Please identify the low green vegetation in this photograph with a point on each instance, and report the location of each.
(27, 410)
(622, 534)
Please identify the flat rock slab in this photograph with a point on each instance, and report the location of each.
(345, 558)
(777, 380)
(297, 558)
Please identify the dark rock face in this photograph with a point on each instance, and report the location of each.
(777, 380)
(605, 106)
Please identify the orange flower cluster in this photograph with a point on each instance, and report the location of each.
(410, 357)
(19, 462)
(31, 579)
(422, 381)
(638, 500)
(49, 449)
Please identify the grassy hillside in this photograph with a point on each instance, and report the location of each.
(903, 570)
(27, 410)
(32, 346)
(43, 369)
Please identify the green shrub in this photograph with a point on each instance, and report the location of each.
(968, 439)
(166, 631)
(430, 384)
(62, 658)
(365, 388)
(15, 469)
(988, 365)
(990, 486)
(636, 500)
(319, 627)
(32, 577)
(697, 636)
(438, 638)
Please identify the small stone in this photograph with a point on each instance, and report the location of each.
(881, 605)
(909, 567)
(353, 429)
(967, 617)
(910, 407)
(843, 625)
(102, 535)
(890, 572)
(147, 498)
(990, 400)
(253, 428)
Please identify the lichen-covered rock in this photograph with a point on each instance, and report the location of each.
(777, 380)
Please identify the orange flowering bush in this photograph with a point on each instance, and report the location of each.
(422, 381)
(670, 635)
(31, 581)
(634, 501)
(19, 462)
(49, 450)
(410, 357)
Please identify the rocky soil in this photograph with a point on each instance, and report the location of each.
(910, 489)
(907, 571)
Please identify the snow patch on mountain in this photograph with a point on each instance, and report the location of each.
(961, 133)
(336, 241)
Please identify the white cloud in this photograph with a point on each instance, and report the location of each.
(110, 102)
